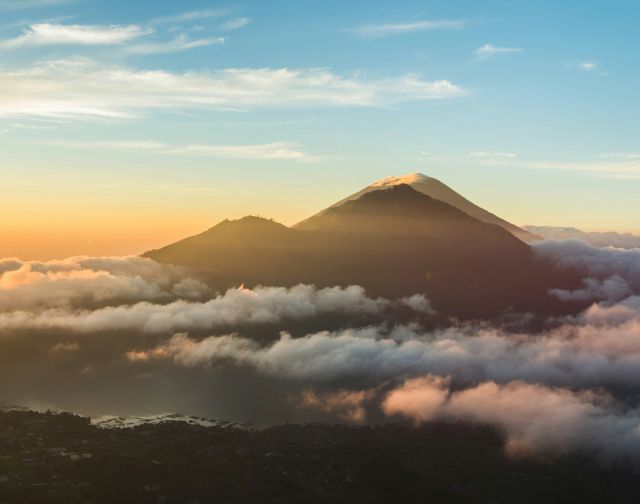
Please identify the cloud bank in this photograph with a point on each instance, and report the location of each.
(127, 335)
(262, 305)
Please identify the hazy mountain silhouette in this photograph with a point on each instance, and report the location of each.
(435, 189)
(394, 242)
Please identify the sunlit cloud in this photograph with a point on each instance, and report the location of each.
(236, 23)
(80, 88)
(493, 158)
(191, 16)
(178, 44)
(588, 66)
(57, 34)
(274, 150)
(536, 420)
(612, 168)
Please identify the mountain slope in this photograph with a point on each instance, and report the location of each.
(435, 189)
(394, 242)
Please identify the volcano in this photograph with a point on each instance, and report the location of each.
(436, 190)
(395, 242)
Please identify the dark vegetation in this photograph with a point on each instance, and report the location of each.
(62, 458)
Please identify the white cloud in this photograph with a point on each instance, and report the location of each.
(594, 262)
(178, 44)
(488, 51)
(57, 34)
(490, 158)
(80, 88)
(588, 66)
(599, 347)
(596, 238)
(262, 305)
(489, 154)
(536, 420)
(91, 282)
(191, 16)
(275, 150)
(387, 29)
(236, 23)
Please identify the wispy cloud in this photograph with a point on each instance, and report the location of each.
(588, 66)
(57, 34)
(489, 51)
(10, 5)
(625, 168)
(491, 158)
(489, 154)
(274, 150)
(236, 23)
(80, 88)
(191, 16)
(388, 29)
(179, 43)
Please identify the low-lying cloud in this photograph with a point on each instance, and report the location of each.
(600, 347)
(262, 305)
(536, 420)
(598, 239)
(90, 282)
(609, 274)
(128, 335)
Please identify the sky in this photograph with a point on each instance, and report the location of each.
(127, 125)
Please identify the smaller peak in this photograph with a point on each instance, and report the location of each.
(408, 179)
(249, 221)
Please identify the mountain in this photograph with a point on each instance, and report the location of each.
(394, 242)
(435, 189)
(596, 238)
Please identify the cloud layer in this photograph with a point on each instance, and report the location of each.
(127, 335)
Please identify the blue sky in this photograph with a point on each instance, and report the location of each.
(150, 120)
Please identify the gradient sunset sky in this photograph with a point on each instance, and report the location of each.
(127, 125)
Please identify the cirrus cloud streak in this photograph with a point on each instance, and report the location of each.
(81, 88)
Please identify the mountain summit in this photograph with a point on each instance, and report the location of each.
(395, 242)
(435, 189)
